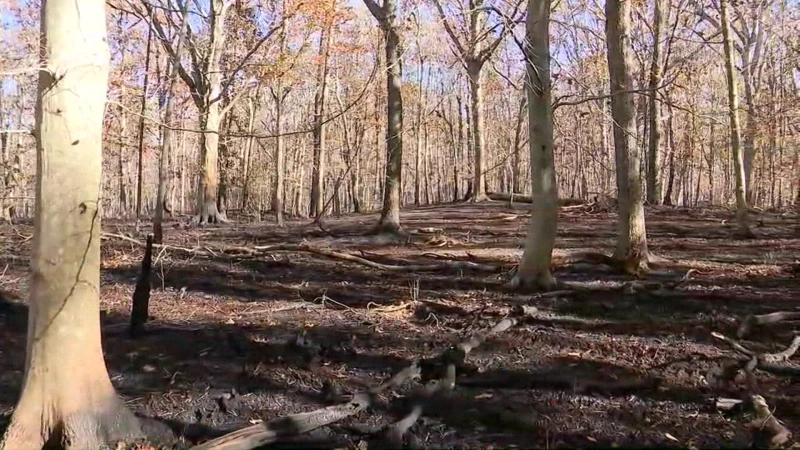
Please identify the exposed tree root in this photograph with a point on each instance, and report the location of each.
(765, 319)
(259, 251)
(766, 423)
(767, 362)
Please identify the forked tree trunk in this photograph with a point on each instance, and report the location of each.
(210, 118)
(736, 133)
(632, 238)
(67, 396)
(654, 109)
(534, 269)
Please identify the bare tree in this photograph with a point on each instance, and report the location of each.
(208, 85)
(534, 269)
(166, 130)
(733, 112)
(67, 394)
(318, 169)
(475, 46)
(632, 237)
(386, 15)
(654, 108)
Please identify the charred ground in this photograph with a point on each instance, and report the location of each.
(590, 369)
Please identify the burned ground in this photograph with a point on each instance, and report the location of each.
(577, 374)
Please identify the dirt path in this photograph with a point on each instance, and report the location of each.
(218, 355)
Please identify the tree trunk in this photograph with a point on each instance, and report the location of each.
(418, 132)
(475, 75)
(210, 118)
(248, 152)
(390, 213)
(632, 239)
(123, 136)
(280, 157)
(142, 107)
(654, 143)
(318, 170)
(733, 113)
(516, 187)
(166, 133)
(67, 396)
(534, 269)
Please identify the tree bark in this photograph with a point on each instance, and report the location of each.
(67, 395)
(318, 170)
(142, 107)
(534, 269)
(475, 76)
(166, 132)
(733, 114)
(632, 239)
(386, 16)
(516, 186)
(280, 156)
(654, 108)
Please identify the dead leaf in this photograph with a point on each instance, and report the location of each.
(671, 437)
(484, 395)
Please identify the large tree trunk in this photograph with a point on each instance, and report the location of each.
(534, 269)
(632, 239)
(210, 118)
(654, 143)
(475, 75)
(390, 213)
(736, 133)
(67, 396)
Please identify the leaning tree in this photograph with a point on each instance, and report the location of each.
(67, 397)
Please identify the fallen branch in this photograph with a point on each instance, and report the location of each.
(450, 358)
(266, 433)
(765, 319)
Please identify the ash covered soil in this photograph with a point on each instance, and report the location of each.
(628, 368)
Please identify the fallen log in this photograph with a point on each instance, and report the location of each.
(764, 319)
(512, 197)
(259, 251)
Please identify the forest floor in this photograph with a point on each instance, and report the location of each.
(224, 347)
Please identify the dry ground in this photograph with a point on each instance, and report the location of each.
(217, 353)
